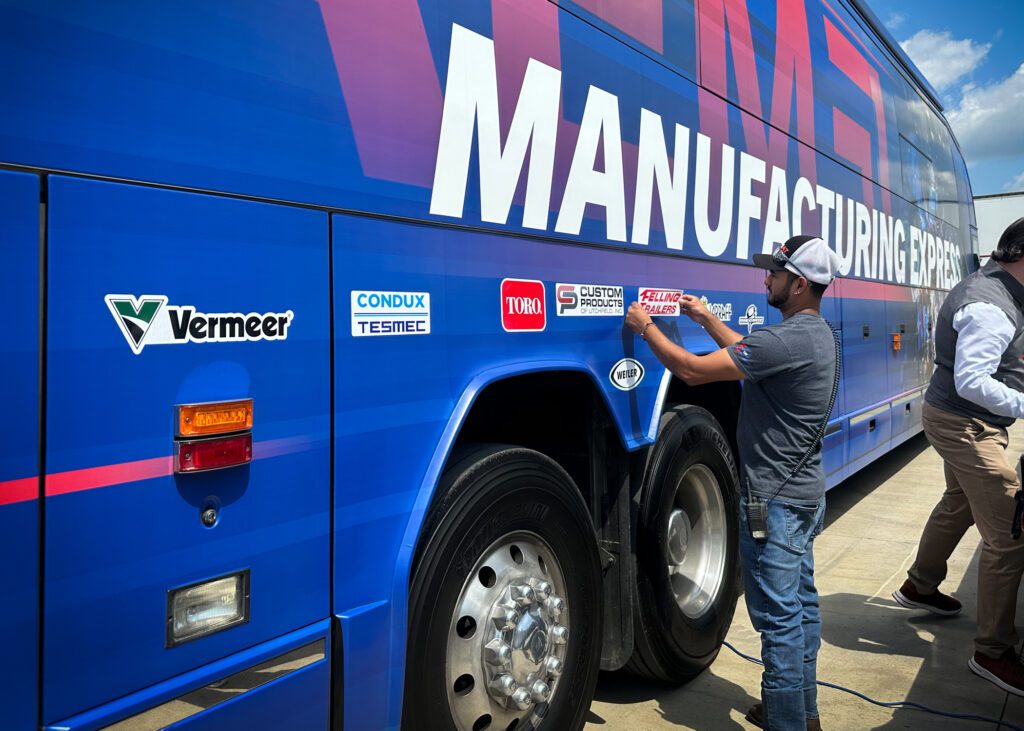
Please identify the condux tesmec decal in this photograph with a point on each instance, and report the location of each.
(149, 320)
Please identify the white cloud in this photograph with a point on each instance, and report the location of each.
(1017, 184)
(895, 20)
(942, 59)
(987, 122)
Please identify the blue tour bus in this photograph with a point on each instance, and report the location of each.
(319, 409)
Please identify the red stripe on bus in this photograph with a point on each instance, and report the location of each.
(61, 483)
(89, 478)
(17, 491)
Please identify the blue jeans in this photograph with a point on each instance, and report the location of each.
(778, 583)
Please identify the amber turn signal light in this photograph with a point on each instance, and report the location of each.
(223, 417)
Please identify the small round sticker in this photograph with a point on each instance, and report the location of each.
(626, 374)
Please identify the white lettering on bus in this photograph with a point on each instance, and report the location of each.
(870, 243)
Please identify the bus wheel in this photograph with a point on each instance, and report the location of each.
(505, 600)
(687, 548)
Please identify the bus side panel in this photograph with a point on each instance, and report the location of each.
(122, 528)
(19, 453)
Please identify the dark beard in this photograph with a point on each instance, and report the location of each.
(778, 300)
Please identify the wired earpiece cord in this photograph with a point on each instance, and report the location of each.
(897, 704)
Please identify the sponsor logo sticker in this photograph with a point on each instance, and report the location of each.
(750, 318)
(522, 305)
(149, 320)
(626, 374)
(721, 310)
(660, 302)
(588, 300)
(376, 313)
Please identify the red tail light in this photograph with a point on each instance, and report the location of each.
(197, 455)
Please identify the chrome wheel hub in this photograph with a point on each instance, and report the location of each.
(696, 541)
(508, 636)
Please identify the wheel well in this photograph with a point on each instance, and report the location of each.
(549, 412)
(722, 399)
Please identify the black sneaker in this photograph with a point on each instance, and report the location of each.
(1005, 671)
(936, 602)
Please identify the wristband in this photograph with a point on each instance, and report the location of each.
(643, 332)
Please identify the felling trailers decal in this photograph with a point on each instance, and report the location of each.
(660, 302)
(149, 320)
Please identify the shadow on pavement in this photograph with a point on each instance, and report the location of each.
(852, 490)
(706, 703)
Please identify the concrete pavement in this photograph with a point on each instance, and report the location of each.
(869, 643)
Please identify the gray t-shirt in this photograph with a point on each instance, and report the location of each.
(790, 369)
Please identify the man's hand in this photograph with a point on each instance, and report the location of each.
(695, 309)
(637, 318)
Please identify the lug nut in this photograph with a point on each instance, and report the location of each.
(521, 699)
(504, 685)
(505, 618)
(553, 666)
(560, 634)
(555, 606)
(542, 590)
(522, 594)
(540, 691)
(497, 652)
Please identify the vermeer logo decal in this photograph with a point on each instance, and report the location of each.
(149, 320)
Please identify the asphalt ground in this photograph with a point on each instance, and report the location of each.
(869, 643)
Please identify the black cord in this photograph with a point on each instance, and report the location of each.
(897, 704)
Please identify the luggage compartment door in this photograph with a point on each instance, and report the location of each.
(157, 299)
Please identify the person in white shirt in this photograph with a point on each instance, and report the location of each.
(976, 392)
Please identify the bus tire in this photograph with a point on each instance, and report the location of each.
(687, 548)
(505, 599)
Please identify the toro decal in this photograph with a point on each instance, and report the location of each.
(149, 320)
(522, 305)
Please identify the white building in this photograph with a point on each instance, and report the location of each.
(994, 214)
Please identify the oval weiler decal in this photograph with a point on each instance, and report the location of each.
(626, 374)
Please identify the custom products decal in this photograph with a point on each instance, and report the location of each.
(588, 300)
(149, 320)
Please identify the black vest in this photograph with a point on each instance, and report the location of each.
(993, 285)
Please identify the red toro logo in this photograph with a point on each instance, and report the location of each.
(522, 305)
(660, 302)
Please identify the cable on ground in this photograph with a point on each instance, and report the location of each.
(898, 704)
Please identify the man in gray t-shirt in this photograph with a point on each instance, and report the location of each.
(789, 371)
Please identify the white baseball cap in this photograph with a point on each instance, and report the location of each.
(806, 256)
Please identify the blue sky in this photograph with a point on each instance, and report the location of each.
(973, 54)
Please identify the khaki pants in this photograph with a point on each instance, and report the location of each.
(980, 485)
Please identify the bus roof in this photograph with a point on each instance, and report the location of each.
(872, 20)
